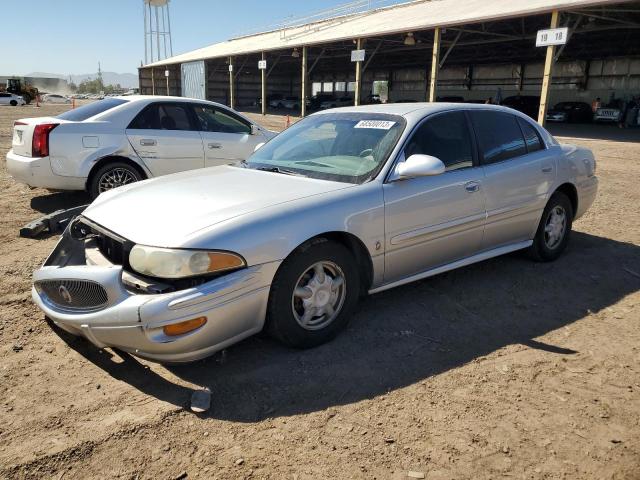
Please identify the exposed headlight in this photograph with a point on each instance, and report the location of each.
(174, 263)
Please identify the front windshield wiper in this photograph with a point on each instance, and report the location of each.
(280, 170)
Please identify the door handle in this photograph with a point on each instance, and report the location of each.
(547, 169)
(472, 187)
(147, 142)
(215, 145)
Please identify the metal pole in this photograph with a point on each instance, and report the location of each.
(263, 74)
(435, 61)
(169, 25)
(358, 75)
(164, 33)
(548, 67)
(303, 97)
(146, 48)
(167, 83)
(157, 32)
(150, 32)
(231, 92)
(153, 82)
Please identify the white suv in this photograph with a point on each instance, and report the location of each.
(11, 99)
(121, 140)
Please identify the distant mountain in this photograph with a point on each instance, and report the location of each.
(126, 80)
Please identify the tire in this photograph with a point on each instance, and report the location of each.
(27, 98)
(285, 311)
(552, 238)
(13, 103)
(121, 173)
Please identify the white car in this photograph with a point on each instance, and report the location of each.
(121, 140)
(605, 114)
(345, 101)
(11, 99)
(54, 98)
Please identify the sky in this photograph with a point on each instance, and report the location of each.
(71, 36)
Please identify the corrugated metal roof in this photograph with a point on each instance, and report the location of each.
(419, 15)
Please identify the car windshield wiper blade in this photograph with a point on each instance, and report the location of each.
(280, 170)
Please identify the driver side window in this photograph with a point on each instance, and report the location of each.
(216, 120)
(445, 136)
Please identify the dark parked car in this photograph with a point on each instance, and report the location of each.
(451, 99)
(317, 100)
(527, 104)
(571, 112)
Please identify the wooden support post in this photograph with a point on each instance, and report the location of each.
(435, 64)
(263, 75)
(231, 92)
(168, 84)
(153, 82)
(303, 95)
(546, 78)
(521, 77)
(356, 100)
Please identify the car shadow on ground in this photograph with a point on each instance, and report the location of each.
(402, 336)
(53, 201)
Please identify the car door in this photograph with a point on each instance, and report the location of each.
(166, 137)
(432, 221)
(517, 176)
(5, 98)
(226, 136)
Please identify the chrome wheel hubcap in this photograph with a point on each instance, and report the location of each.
(319, 295)
(555, 227)
(115, 178)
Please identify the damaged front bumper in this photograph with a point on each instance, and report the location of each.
(85, 294)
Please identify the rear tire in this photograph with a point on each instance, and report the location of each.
(13, 103)
(554, 229)
(313, 294)
(27, 98)
(112, 175)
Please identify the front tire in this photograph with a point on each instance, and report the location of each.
(313, 295)
(113, 175)
(13, 103)
(554, 229)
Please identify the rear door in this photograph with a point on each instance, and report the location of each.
(226, 136)
(166, 137)
(432, 221)
(518, 173)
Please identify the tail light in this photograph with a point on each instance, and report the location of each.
(16, 123)
(40, 142)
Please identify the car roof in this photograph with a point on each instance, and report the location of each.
(421, 109)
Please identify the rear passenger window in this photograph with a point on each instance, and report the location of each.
(531, 137)
(164, 116)
(446, 137)
(499, 136)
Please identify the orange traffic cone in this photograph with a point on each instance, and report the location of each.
(73, 103)
(288, 124)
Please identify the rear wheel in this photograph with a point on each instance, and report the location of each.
(113, 175)
(13, 103)
(313, 294)
(27, 98)
(554, 229)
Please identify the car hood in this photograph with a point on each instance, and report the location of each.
(166, 211)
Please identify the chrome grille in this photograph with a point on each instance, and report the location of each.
(78, 295)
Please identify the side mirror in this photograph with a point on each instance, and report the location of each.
(258, 146)
(255, 130)
(419, 166)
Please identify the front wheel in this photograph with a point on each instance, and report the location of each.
(313, 295)
(13, 103)
(113, 175)
(554, 229)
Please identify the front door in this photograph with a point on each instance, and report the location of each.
(432, 221)
(226, 136)
(165, 136)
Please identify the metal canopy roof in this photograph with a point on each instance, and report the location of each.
(418, 15)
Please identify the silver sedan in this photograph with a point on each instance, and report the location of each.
(343, 203)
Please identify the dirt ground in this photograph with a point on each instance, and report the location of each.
(507, 368)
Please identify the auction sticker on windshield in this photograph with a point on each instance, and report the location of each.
(379, 124)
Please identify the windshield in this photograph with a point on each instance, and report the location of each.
(342, 147)
(91, 110)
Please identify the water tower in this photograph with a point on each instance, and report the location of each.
(157, 30)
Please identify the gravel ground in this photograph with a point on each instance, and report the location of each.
(507, 368)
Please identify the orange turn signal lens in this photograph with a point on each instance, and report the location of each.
(181, 328)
